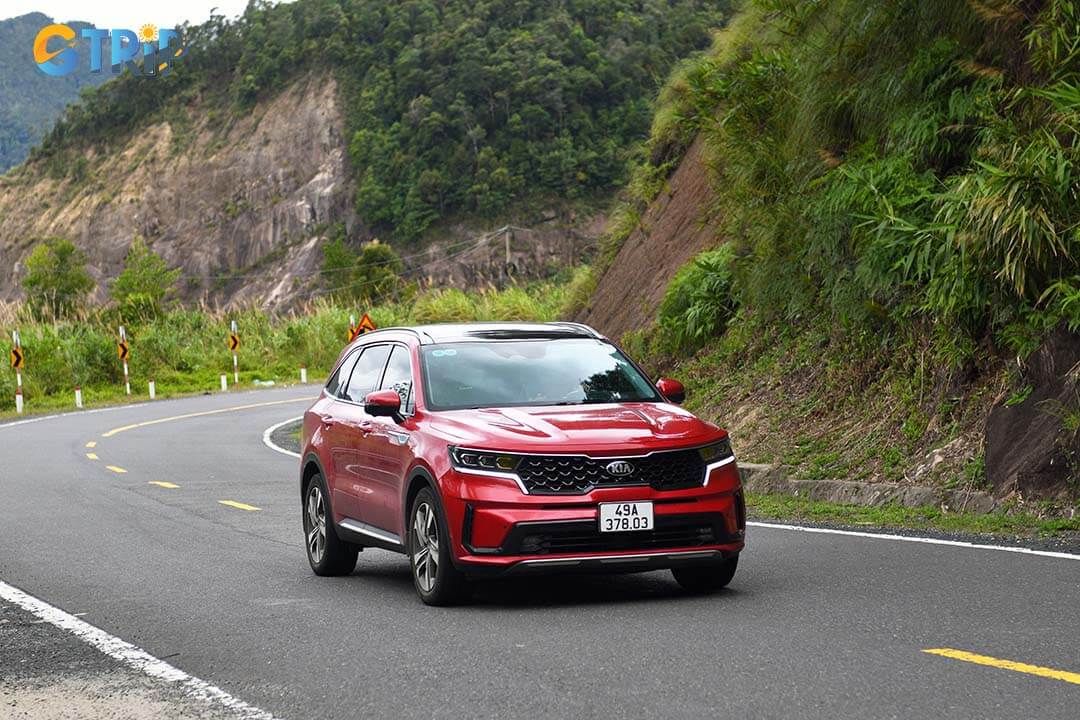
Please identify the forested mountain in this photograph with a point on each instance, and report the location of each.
(30, 100)
(451, 106)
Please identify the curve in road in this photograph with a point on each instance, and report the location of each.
(190, 548)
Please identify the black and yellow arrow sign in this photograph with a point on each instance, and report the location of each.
(122, 350)
(17, 358)
(365, 325)
(234, 342)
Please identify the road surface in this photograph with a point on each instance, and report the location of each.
(172, 527)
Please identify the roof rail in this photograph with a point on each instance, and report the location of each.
(578, 326)
(396, 328)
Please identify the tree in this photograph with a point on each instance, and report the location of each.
(145, 284)
(56, 281)
(369, 277)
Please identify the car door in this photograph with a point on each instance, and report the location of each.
(354, 458)
(337, 437)
(390, 446)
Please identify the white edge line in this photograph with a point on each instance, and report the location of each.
(133, 657)
(916, 539)
(277, 448)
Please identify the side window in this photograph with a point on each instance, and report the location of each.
(337, 380)
(399, 377)
(366, 373)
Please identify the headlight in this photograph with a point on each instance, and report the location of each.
(483, 460)
(716, 452)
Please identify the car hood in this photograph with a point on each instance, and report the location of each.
(574, 428)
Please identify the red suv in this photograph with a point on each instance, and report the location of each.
(504, 449)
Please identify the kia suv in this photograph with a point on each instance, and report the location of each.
(489, 450)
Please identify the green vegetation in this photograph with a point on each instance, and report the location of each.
(30, 100)
(897, 183)
(895, 162)
(56, 282)
(145, 284)
(185, 351)
(365, 277)
(1014, 522)
(452, 107)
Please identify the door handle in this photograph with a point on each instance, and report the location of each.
(366, 426)
(327, 422)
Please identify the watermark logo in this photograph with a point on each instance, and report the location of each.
(159, 48)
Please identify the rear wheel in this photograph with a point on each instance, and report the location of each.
(326, 552)
(706, 578)
(435, 578)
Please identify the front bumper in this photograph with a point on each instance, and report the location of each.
(498, 530)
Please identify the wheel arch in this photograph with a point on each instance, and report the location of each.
(309, 469)
(419, 479)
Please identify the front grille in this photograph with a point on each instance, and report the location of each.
(576, 474)
(555, 538)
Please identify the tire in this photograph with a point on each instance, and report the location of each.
(328, 554)
(435, 578)
(706, 578)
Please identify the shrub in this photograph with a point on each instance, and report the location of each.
(56, 281)
(144, 285)
(699, 301)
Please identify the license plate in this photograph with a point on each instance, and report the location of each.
(626, 516)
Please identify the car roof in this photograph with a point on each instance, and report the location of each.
(466, 332)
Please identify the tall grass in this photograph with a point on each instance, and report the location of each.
(894, 161)
(185, 350)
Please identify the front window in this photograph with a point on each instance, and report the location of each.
(530, 372)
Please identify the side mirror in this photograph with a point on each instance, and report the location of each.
(673, 390)
(384, 403)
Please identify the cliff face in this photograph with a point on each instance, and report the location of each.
(238, 202)
(242, 204)
(672, 230)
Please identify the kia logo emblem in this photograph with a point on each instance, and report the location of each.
(619, 468)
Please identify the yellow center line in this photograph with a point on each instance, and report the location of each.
(125, 428)
(115, 469)
(164, 484)
(91, 444)
(239, 505)
(92, 456)
(1069, 677)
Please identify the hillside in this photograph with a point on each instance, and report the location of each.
(415, 122)
(31, 101)
(889, 288)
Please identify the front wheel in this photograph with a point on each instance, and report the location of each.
(435, 578)
(706, 578)
(326, 552)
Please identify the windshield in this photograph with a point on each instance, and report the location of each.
(544, 372)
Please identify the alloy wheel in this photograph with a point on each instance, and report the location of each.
(316, 522)
(425, 545)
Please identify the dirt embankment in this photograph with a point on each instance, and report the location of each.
(672, 230)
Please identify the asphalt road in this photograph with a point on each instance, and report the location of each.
(814, 625)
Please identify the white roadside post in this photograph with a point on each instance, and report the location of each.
(123, 358)
(78, 397)
(224, 382)
(235, 341)
(18, 372)
(303, 374)
(152, 389)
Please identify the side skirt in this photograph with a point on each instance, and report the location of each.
(365, 535)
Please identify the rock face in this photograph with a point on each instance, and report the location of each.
(242, 203)
(238, 202)
(672, 230)
(1033, 447)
